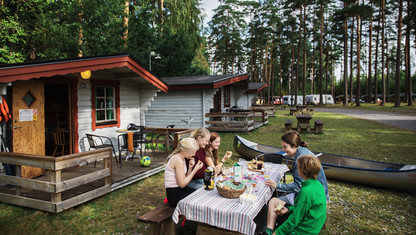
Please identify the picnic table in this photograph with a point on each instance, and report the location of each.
(303, 121)
(209, 207)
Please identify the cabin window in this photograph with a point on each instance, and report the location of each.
(106, 104)
(227, 96)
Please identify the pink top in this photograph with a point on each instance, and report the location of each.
(170, 175)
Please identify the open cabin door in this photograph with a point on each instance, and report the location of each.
(29, 121)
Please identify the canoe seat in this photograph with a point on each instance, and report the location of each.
(288, 124)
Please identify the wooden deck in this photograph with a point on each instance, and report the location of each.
(130, 173)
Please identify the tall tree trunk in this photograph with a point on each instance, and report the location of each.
(376, 61)
(80, 31)
(321, 102)
(292, 65)
(345, 57)
(126, 22)
(398, 55)
(383, 95)
(304, 56)
(408, 66)
(357, 91)
(351, 60)
(298, 61)
(327, 73)
(370, 40)
(387, 72)
(161, 14)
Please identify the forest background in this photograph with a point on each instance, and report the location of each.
(294, 46)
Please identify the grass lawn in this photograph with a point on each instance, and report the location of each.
(353, 208)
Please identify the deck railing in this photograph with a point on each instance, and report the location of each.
(56, 186)
(244, 120)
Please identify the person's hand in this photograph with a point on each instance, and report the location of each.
(199, 165)
(284, 210)
(271, 183)
(191, 163)
(227, 155)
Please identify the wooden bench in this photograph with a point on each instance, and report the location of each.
(161, 219)
(293, 111)
(319, 126)
(288, 124)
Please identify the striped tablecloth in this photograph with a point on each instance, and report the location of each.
(211, 208)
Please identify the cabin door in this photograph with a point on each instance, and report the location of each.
(29, 121)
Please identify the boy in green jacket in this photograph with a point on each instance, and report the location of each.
(308, 215)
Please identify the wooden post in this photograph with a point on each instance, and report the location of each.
(56, 178)
(18, 174)
(108, 164)
(167, 139)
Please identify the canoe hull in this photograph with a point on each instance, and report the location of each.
(343, 168)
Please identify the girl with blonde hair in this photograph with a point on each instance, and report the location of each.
(201, 136)
(177, 174)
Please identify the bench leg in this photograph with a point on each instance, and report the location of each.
(155, 229)
(168, 227)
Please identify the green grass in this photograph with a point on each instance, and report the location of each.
(354, 209)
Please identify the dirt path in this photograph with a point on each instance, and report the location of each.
(405, 121)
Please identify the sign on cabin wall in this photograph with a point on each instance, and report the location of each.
(26, 115)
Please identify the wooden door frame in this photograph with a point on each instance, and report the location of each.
(69, 82)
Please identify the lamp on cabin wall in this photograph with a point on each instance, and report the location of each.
(86, 74)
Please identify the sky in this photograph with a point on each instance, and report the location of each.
(209, 6)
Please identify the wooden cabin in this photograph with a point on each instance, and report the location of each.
(95, 95)
(192, 97)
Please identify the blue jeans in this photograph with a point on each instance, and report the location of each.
(196, 184)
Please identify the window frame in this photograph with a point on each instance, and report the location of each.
(116, 87)
(227, 100)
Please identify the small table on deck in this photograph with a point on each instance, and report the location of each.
(303, 121)
(211, 208)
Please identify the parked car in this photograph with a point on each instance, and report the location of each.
(361, 101)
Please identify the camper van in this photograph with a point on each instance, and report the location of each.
(314, 99)
(290, 100)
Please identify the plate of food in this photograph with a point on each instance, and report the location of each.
(255, 165)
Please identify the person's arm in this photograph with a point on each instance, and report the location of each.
(297, 214)
(291, 187)
(181, 178)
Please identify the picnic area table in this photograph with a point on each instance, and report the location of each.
(211, 208)
(303, 121)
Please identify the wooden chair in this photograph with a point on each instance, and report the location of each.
(59, 140)
(98, 142)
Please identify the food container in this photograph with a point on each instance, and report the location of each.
(248, 199)
(230, 193)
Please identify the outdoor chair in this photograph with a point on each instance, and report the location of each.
(274, 158)
(59, 140)
(100, 142)
(141, 140)
(123, 145)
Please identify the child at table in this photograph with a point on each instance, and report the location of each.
(308, 215)
(177, 176)
(201, 136)
(211, 152)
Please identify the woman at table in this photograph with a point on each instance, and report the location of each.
(211, 152)
(177, 176)
(201, 136)
(294, 147)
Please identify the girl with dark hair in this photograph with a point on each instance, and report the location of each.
(211, 152)
(294, 147)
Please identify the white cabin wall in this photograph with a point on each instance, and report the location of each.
(172, 107)
(131, 108)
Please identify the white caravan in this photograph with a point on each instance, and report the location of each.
(314, 99)
(290, 100)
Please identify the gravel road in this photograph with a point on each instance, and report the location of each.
(405, 121)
